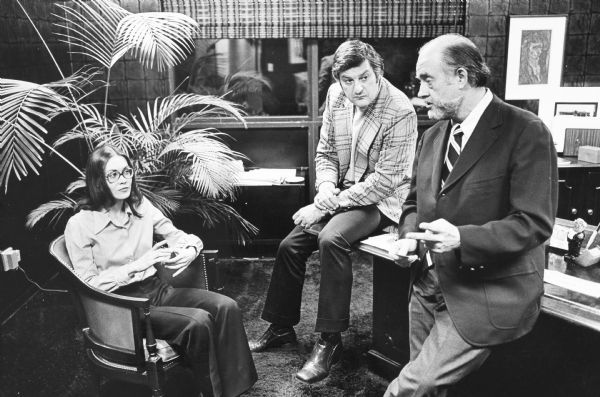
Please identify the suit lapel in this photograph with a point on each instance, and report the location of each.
(484, 136)
(439, 152)
(368, 131)
(342, 120)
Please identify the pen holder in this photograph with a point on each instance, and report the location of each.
(587, 257)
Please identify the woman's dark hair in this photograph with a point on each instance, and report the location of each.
(351, 54)
(98, 193)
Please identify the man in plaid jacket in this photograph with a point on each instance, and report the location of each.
(363, 167)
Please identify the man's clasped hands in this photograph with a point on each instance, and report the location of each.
(326, 202)
(439, 236)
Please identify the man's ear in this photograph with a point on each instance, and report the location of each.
(462, 75)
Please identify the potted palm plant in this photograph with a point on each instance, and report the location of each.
(182, 170)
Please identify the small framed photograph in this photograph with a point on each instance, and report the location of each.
(580, 109)
(535, 55)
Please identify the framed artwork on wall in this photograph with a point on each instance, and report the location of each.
(535, 55)
(580, 109)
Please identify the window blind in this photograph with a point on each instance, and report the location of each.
(322, 18)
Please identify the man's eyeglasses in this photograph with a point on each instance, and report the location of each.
(114, 175)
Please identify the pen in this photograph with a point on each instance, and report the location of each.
(179, 271)
(592, 237)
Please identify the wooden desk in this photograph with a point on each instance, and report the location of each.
(568, 305)
(390, 349)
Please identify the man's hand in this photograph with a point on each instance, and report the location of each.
(308, 216)
(439, 236)
(400, 250)
(327, 198)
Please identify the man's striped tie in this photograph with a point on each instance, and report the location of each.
(454, 147)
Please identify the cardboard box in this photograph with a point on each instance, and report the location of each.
(10, 259)
(591, 154)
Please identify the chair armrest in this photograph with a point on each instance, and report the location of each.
(197, 275)
(83, 289)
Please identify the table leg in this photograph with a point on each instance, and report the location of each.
(390, 348)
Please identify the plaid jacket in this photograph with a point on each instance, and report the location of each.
(384, 152)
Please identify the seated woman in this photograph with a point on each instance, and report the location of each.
(110, 244)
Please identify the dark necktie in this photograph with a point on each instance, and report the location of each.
(454, 147)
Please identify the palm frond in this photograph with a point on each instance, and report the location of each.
(25, 106)
(166, 199)
(150, 130)
(214, 212)
(149, 166)
(77, 184)
(163, 108)
(144, 137)
(151, 179)
(163, 38)
(208, 105)
(213, 168)
(91, 27)
(89, 134)
(121, 140)
(94, 127)
(82, 78)
(53, 211)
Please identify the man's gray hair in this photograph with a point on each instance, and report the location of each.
(460, 52)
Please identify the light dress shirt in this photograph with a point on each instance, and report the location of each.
(470, 122)
(357, 122)
(98, 245)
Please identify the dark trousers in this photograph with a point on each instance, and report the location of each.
(335, 241)
(207, 327)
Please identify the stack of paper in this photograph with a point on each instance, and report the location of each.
(265, 176)
(576, 284)
(381, 244)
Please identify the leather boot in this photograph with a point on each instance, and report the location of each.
(322, 358)
(273, 338)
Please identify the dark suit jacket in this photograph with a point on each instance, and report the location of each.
(502, 195)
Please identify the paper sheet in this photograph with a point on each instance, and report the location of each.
(266, 176)
(559, 237)
(384, 243)
(381, 241)
(576, 284)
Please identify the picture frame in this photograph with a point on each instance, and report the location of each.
(535, 55)
(561, 125)
(579, 109)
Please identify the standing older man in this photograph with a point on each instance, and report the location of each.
(482, 203)
(363, 164)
